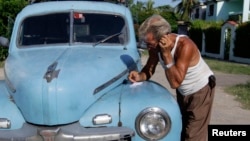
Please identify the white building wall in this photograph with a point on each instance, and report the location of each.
(246, 11)
(209, 17)
(220, 14)
(222, 9)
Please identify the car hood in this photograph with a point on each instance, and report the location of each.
(56, 86)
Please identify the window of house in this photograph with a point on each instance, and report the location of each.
(211, 10)
(197, 13)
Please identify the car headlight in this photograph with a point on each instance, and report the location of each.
(153, 123)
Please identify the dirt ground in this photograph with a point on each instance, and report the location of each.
(226, 110)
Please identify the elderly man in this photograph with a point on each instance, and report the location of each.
(185, 71)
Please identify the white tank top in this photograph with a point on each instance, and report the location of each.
(196, 76)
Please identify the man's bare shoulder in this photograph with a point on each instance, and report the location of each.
(187, 51)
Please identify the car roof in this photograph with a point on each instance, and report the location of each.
(93, 6)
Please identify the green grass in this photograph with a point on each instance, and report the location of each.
(228, 67)
(240, 91)
(1, 64)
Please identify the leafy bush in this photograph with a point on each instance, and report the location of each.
(212, 39)
(242, 38)
(3, 53)
(212, 32)
(9, 9)
(196, 31)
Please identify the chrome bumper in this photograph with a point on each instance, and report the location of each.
(73, 132)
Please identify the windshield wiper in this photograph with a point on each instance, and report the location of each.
(107, 38)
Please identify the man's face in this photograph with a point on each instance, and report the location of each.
(150, 41)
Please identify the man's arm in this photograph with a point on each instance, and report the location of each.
(184, 57)
(149, 68)
(147, 71)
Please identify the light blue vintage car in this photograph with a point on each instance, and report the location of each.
(66, 78)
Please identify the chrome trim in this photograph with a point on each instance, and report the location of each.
(48, 134)
(152, 110)
(102, 119)
(105, 85)
(72, 132)
(5, 123)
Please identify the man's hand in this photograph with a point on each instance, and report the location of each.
(134, 76)
(165, 43)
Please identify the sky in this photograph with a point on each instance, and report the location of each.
(162, 2)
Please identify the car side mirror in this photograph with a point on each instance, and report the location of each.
(4, 42)
(141, 45)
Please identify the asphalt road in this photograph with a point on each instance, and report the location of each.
(226, 110)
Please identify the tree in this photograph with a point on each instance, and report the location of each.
(185, 9)
(9, 10)
(135, 9)
(149, 6)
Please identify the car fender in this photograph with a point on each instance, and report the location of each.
(9, 111)
(124, 104)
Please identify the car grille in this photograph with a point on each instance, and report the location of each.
(73, 132)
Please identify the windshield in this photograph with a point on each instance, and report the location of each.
(75, 27)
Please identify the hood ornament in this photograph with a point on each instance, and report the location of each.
(51, 72)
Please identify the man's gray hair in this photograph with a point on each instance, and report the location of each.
(156, 25)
